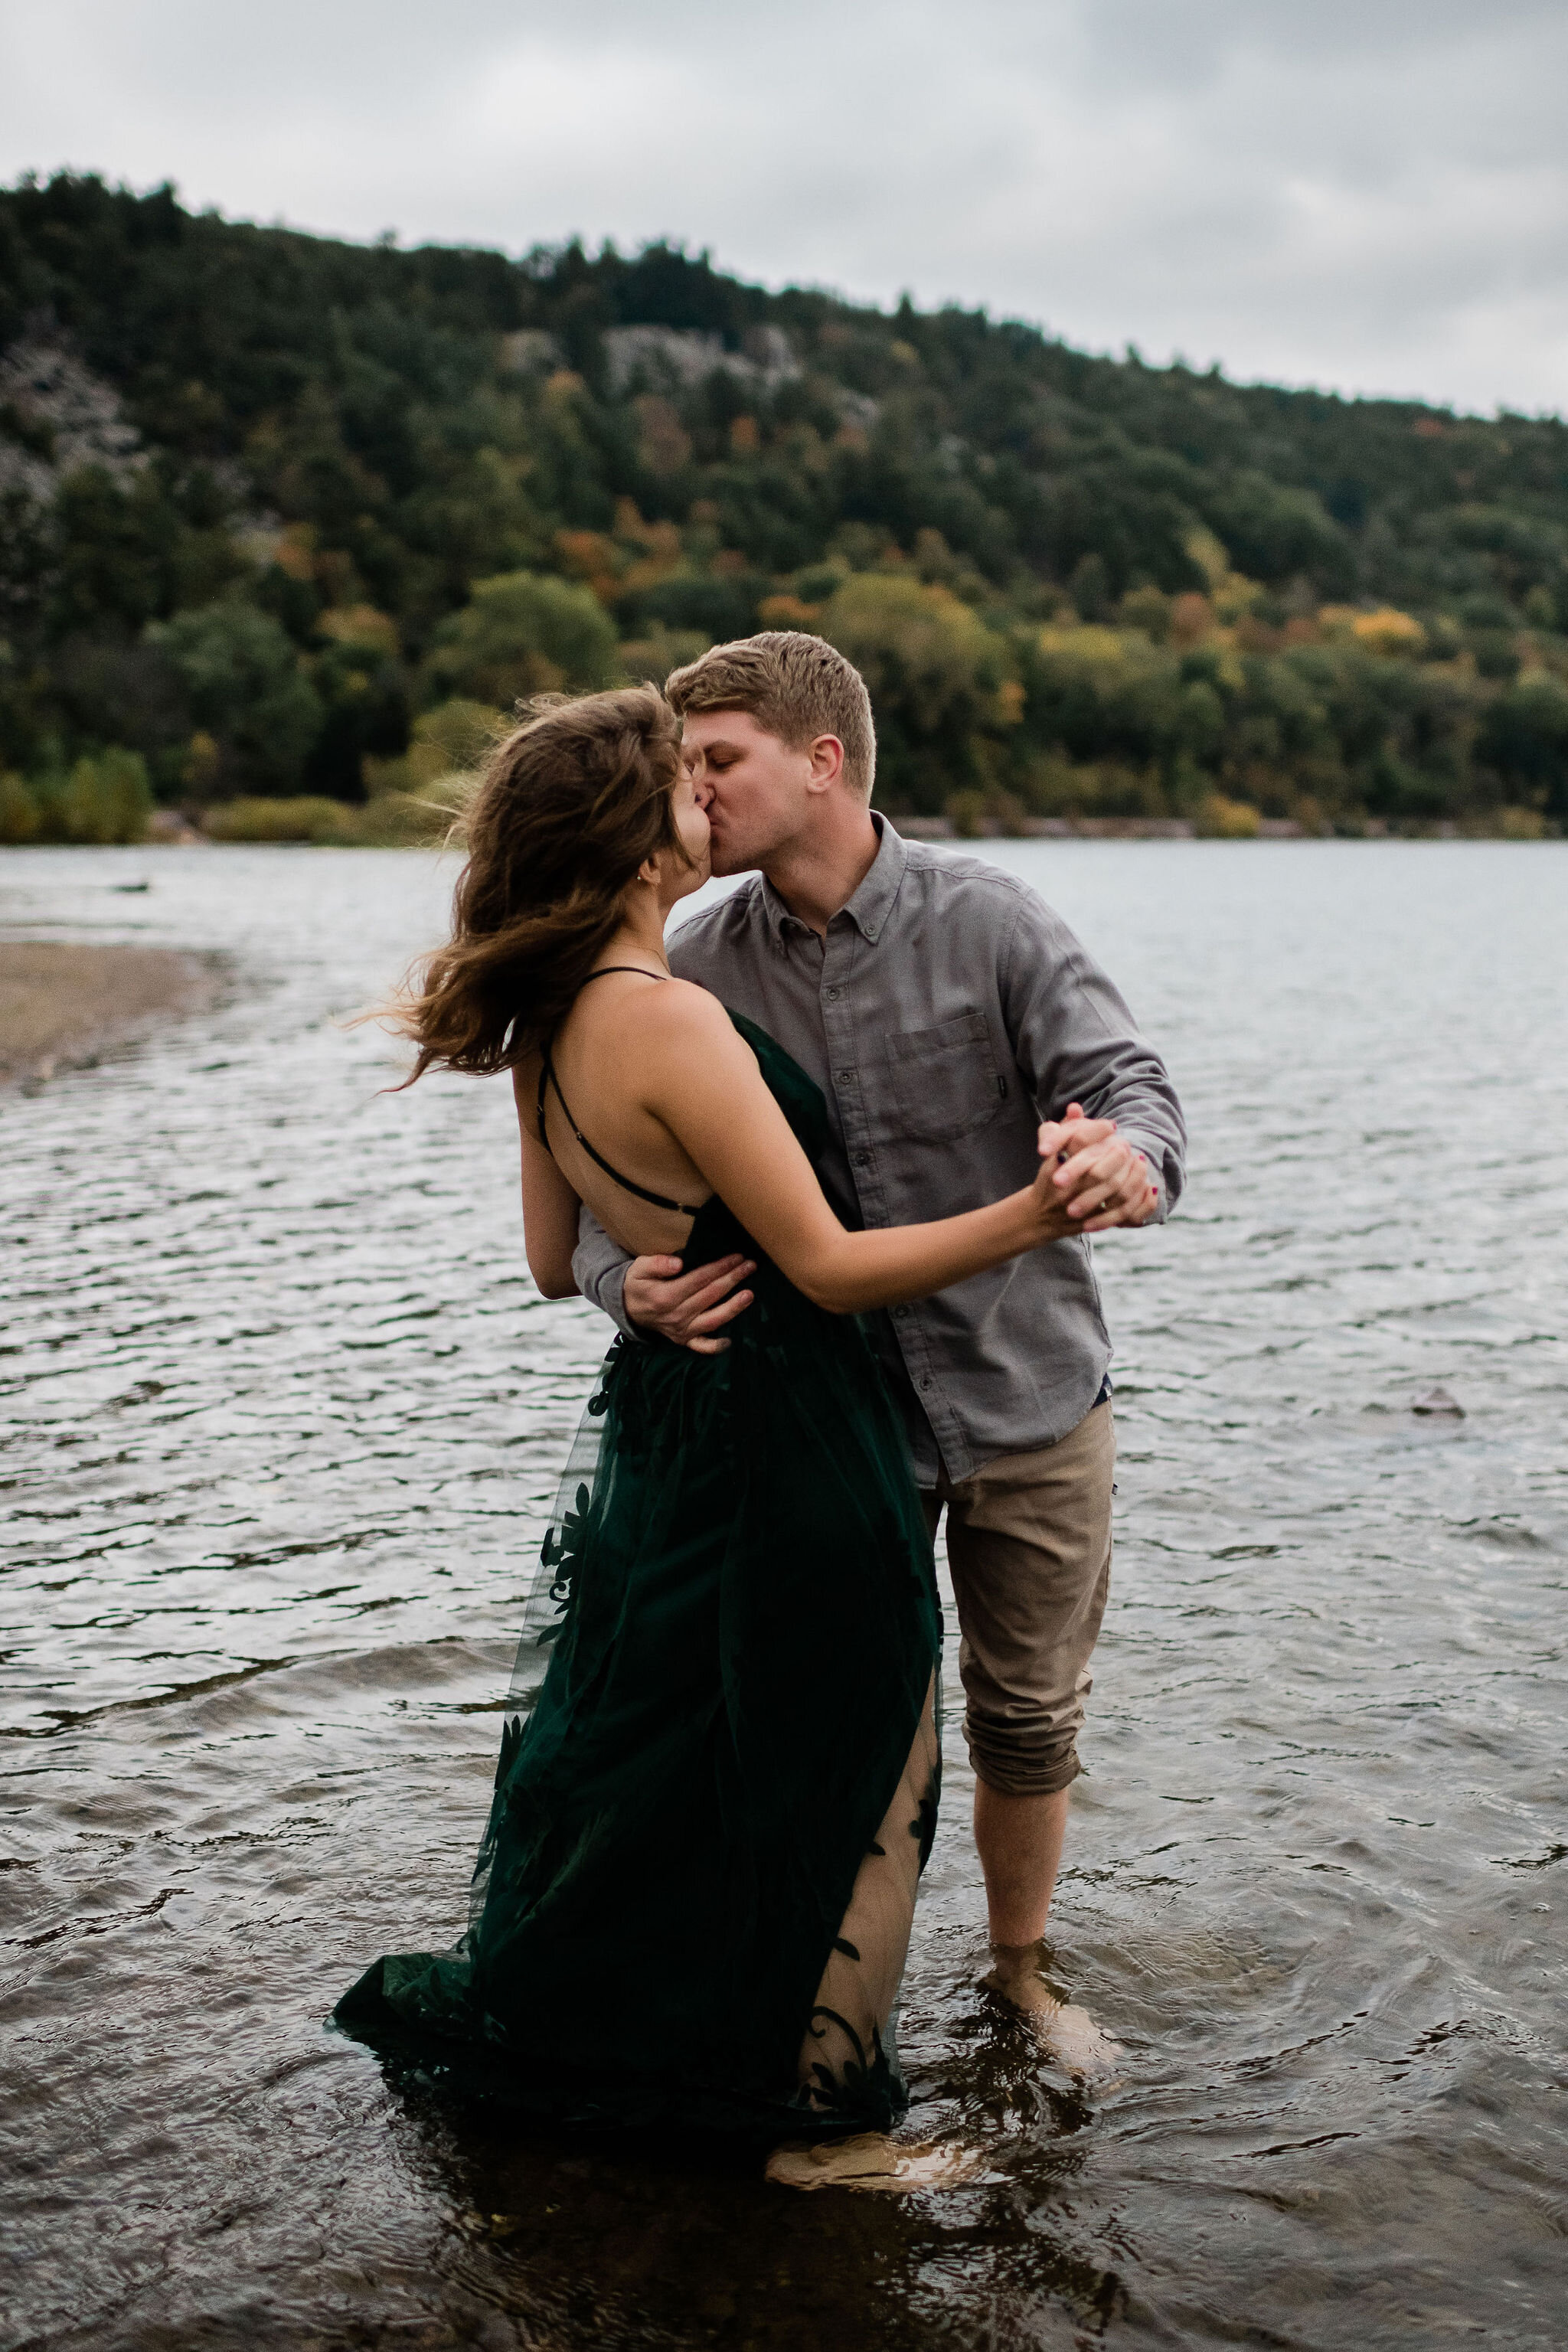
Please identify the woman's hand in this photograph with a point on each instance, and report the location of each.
(1071, 1152)
(1100, 1181)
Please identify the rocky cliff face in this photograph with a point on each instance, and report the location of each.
(55, 415)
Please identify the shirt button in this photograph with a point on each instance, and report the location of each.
(842, 1076)
(925, 1379)
(833, 995)
(900, 1311)
(862, 1160)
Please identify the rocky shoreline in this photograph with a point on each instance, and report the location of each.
(61, 1006)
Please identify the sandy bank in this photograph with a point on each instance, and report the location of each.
(61, 1006)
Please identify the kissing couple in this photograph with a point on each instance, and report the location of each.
(831, 1163)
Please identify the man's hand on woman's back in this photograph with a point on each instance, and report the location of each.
(688, 1309)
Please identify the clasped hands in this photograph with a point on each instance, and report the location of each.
(1097, 1180)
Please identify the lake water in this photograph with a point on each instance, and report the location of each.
(284, 1412)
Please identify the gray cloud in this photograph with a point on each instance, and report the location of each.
(1373, 197)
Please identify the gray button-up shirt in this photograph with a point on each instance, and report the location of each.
(947, 1011)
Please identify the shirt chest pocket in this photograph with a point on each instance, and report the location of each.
(944, 1081)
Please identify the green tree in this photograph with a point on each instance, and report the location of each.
(364, 698)
(107, 798)
(938, 680)
(447, 743)
(115, 545)
(20, 815)
(1524, 739)
(1102, 694)
(1273, 531)
(521, 633)
(245, 688)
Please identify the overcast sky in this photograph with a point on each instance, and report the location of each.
(1371, 194)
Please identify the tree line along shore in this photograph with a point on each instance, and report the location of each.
(289, 527)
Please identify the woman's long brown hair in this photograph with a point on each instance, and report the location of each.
(567, 809)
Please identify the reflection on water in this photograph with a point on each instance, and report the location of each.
(284, 1413)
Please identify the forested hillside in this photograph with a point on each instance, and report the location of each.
(281, 516)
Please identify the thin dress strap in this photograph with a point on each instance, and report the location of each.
(547, 1077)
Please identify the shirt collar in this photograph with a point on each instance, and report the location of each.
(872, 904)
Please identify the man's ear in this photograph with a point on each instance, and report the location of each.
(827, 763)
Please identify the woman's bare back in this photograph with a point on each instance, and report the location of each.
(595, 1059)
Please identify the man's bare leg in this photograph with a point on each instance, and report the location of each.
(1020, 1843)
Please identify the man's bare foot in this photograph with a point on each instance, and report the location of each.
(1064, 2029)
(871, 2160)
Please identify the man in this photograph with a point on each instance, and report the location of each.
(943, 1010)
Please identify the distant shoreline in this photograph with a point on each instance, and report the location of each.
(1172, 828)
(61, 1006)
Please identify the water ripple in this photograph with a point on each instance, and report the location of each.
(284, 1414)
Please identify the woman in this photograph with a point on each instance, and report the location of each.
(694, 1894)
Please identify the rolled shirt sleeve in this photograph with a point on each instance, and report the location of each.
(600, 1267)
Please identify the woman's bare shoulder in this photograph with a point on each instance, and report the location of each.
(683, 1013)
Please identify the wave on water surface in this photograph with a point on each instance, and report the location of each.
(284, 1419)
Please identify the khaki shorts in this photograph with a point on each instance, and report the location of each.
(1028, 1543)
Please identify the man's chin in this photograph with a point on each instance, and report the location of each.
(728, 859)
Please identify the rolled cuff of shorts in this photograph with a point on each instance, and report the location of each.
(1021, 1759)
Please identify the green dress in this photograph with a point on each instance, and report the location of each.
(718, 1786)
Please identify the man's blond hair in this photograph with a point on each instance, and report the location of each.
(795, 686)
